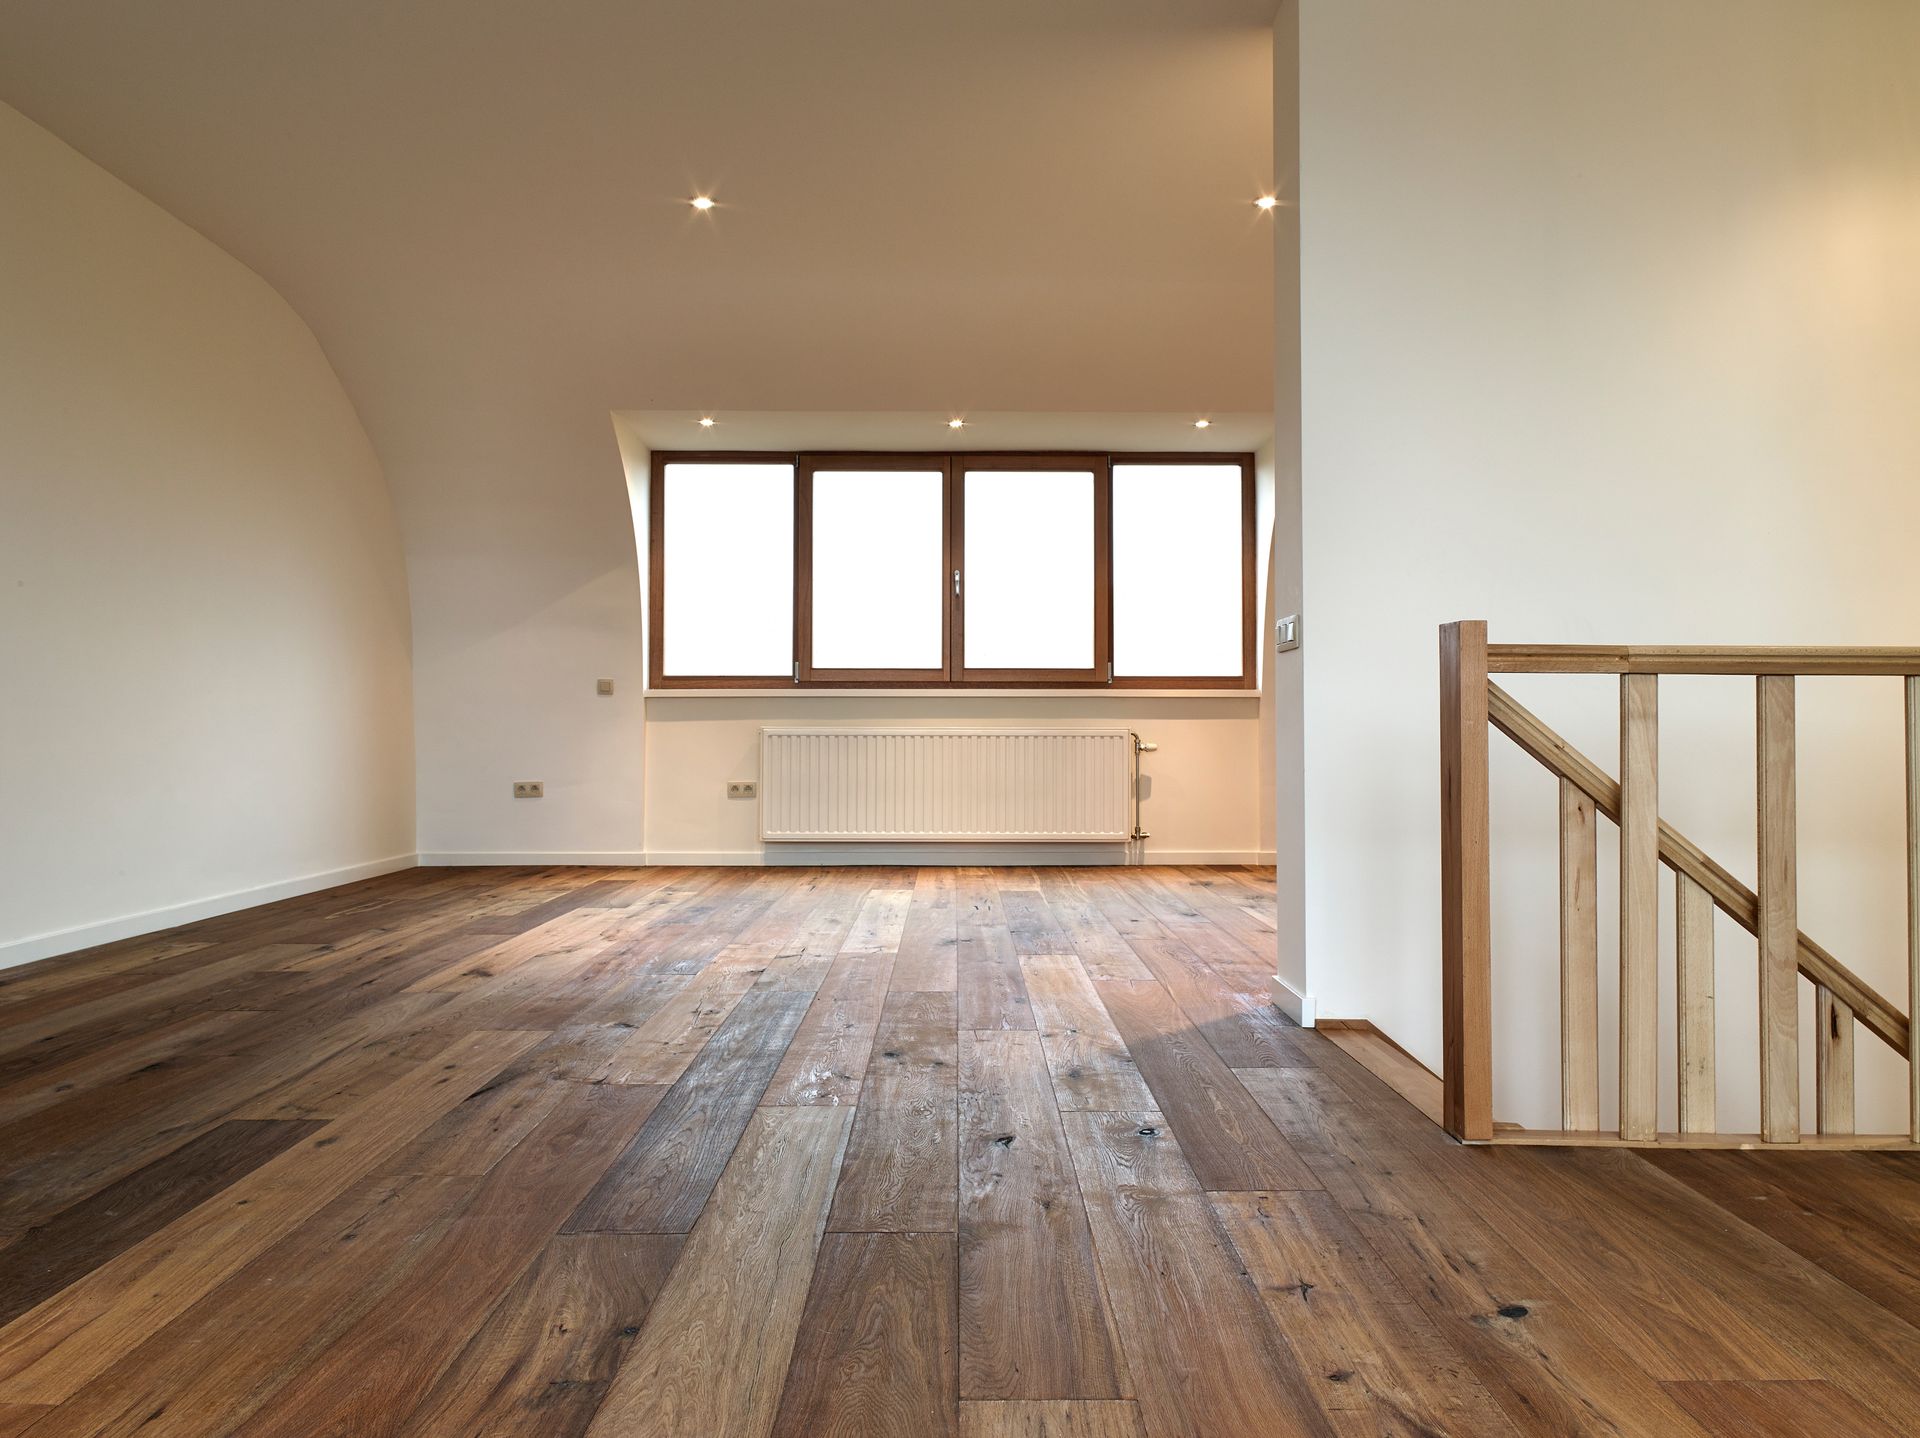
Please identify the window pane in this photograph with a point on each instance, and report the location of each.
(728, 559)
(1176, 570)
(878, 559)
(1029, 559)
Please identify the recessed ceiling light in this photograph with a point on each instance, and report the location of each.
(1203, 424)
(706, 421)
(701, 202)
(1265, 202)
(956, 423)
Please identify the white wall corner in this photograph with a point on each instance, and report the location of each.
(1296, 1004)
(152, 921)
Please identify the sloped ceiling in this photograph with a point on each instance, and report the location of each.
(480, 206)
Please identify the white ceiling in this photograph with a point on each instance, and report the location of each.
(479, 207)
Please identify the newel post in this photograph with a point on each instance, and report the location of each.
(1466, 906)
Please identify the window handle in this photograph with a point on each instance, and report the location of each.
(956, 581)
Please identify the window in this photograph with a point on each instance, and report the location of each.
(952, 570)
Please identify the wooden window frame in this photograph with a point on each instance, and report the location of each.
(1248, 677)
(1100, 673)
(657, 573)
(954, 676)
(807, 467)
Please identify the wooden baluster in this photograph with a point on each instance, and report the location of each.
(1639, 905)
(1913, 906)
(1579, 964)
(1466, 906)
(1693, 941)
(1833, 1063)
(1779, 922)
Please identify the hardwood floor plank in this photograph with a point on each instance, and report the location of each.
(47, 1354)
(828, 1057)
(73, 1243)
(1092, 937)
(541, 1364)
(1201, 1354)
(400, 1270)
(1777, 1410)
(193, 1377)
(713, 1354)
(902, 1167)
(992, 994)
(663, 1180)
(875, 1356)
(1052, 1419)
(1222, 1131)
(366, 1383)
(1033, 1320)
(926, 960)
(1537, 1352)
(1089, 1062)
(1371, 1355)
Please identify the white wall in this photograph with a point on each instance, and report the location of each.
(1610, 332)
(203, 609)
(1203, 794)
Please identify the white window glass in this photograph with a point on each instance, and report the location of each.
(728, 585)
(1177, 570)
(1028, 588)
(878, 558)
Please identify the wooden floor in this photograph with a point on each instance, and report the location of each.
(994, 1153)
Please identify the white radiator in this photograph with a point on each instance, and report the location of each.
(953, 785)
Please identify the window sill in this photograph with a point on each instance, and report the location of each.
(797, 692)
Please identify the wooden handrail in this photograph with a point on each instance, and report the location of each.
(1681, 854)
(1697, 659)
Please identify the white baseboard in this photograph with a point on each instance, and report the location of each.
(131, 926)
(514, 858)
(965, 855)
(1296, 1004)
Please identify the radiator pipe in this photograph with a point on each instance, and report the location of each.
(1140, 746)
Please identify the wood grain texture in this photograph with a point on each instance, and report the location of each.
(1223, 1134)
(1579, 961)
(902, 1168)
(1779, 923)
(663, 1180)
(713, 1355)
(1059, 1418)
(1089, 1062)
(1639, 905)
(1033, 1322)
(1912, 747)
(1374, 1357)
(1466, 903)
(1777, 1410)
(542, 1362)
(49, 1353)
(73, 1243)
(1833, 1063)
(1201, 1357)
(878, 1343)
(398, 1268)
(1694, 1009)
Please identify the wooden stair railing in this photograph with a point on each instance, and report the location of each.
(1470, 703)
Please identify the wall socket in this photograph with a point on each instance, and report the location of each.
(529, 789)
(742, 789)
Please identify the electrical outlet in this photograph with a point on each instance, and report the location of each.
(529, 789)
(605, 686)
(742, 789)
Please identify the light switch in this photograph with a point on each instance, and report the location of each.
(605, 686)
(1286, 634)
